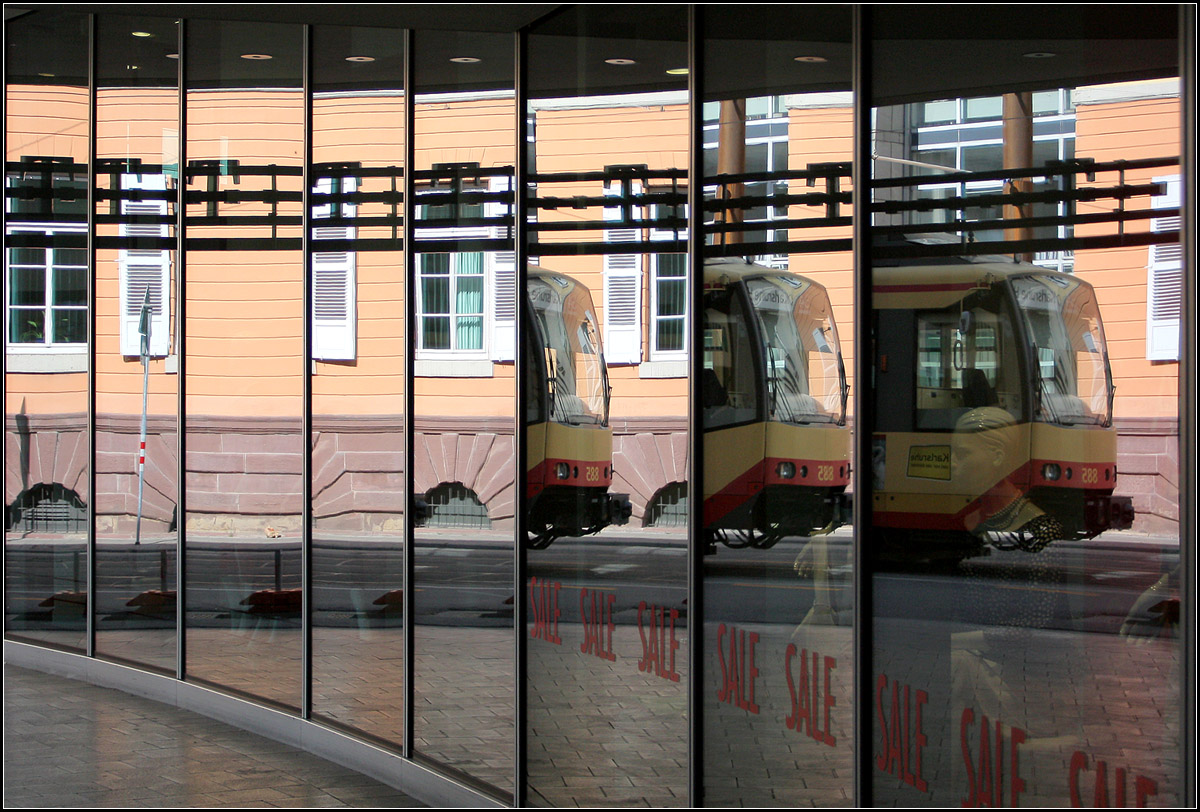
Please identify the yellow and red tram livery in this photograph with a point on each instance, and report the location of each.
(776, 446)
(568, 439)
(994, 411)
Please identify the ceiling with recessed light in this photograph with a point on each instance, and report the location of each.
(992, 48)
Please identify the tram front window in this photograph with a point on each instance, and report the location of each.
(1071, 357)
(576, 383)
(804, 372)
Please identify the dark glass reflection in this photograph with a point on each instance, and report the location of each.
(778, 623)
(46, 456)
(463, 458)
(357, 376)
(137, 132)
(1020, 586)
(244, 358)
(605, 472)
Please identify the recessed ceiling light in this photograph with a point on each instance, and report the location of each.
(360, 59)
(465, 60)
(1039, 55)
(620, 61)
(141, 33)
(172, 56)
(678, 71)
(810, 59)
(257, 56)
(133, 67)
(47, 75)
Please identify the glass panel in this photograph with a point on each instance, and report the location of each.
(137, 127)
(245, 136)
(777, 690)
(1026, 647)
(605, 472)
(46, 453)
(358, 383)
(463, 468)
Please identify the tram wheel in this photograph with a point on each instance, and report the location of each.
(765, 541)
(737, 539)
(542, 540)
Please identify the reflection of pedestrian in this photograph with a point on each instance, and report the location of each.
(984, 460)
(1155, 614)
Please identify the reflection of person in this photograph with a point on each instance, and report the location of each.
(813, 562)
(1155, 614)
(985, 456)
(986, 664)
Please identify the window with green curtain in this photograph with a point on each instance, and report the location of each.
(452, 301)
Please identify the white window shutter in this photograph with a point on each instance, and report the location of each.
(1164, 281)
(622, 293)
(334, 285)
(144, 269)
(502, 267)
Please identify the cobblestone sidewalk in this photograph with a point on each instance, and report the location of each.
(70, 744)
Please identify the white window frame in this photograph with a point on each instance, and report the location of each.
(622, 291)
(140, 269)
(1164, 279)
(45, 356)
(334, 275)
(657, 354)
(453, 275)
(499, 299)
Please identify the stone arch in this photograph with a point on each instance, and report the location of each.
(482, 462)
(646, 462)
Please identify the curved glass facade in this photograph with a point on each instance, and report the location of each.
(650, 405)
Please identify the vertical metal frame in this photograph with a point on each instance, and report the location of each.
(695, 471)
(306, 62)
(181, 366)
(520, 233)
(864, 417)
(410, 343)
(1187, 406)
(862, 695)
(90, 557)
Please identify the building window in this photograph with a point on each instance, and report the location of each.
(1164, 273)
(334, 273)
(46, 187)
(145, 268)
(668, 306)
(466, 302)
(622, 285)
(451, 302)
(47, 295)
(47, 299)
(967, 134)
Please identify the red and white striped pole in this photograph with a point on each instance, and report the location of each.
(144, 329)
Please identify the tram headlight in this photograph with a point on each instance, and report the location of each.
(562, 470)
(786, 470)
(1051, 471)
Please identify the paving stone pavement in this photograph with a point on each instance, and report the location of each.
(71, 744)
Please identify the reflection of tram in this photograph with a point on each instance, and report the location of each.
(569, 443)
(776, 446)
(994, 411)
